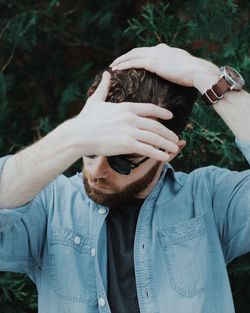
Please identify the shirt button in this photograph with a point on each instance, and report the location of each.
(93, 251)
(102, 211)
(77, 240)
(101, 301)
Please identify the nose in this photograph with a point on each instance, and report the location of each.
(98, 167)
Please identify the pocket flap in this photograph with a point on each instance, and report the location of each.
(183, 231)
(69, 237)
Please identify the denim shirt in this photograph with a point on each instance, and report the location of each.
(189, 228)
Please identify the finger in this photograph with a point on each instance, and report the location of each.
(133, 63)
(157, 128)
(148, 110)
(157, 141)
(134, 53)
(182, 143)
(154, 153)
(102, 90)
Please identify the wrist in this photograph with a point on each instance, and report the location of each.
(73, 134)
(79, 135)
(205, 75)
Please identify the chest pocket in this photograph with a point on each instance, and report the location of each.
(72, 266)
(185, 248)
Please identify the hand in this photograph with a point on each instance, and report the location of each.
(105, 128)
(173, 64)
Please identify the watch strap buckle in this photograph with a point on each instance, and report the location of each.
(216, 92)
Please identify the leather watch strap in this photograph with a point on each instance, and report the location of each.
(217, 91)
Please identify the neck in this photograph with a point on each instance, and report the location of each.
(143, 194)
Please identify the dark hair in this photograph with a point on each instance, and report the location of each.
(139, 85)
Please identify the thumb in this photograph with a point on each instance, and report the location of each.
(102, 90)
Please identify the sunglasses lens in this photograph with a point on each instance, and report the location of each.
(119, 165)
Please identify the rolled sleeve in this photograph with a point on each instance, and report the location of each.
(22, 233)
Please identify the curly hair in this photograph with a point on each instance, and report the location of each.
(139, 85)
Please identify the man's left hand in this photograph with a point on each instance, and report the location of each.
(173, 64)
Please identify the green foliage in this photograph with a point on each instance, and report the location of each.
(50, 52)
(197, 28)
(15, 290)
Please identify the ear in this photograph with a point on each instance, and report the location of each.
(181, 144)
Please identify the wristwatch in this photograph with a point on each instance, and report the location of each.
(229, 79)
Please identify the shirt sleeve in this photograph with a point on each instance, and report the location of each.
(244, 147)
(230, 195)
(22, 233)
(231, 205)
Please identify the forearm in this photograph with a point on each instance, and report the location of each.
(235, 111)
(27, 172)
(233, 108)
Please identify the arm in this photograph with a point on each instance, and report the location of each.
(26, 173)
(180, 67)
(229, 190)
(233, 108)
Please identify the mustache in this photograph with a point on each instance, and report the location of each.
(101, 181)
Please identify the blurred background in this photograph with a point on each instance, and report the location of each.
(50, 52)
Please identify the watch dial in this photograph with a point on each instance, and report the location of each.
(234, 76)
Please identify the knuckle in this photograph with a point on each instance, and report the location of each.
(176, 139)
(156, 138)
(170, 134)
(157, 127)
(162, 44)
(152, 150)
(128, 117)
(173, 148)
(127, 143)
(123, 115)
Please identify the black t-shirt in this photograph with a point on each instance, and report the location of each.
(121, 226)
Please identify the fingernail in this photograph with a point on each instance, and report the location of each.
(170, 115)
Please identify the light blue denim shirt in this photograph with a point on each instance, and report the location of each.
(189, 228)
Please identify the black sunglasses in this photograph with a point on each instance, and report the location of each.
(121, 164)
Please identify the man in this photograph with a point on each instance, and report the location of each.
(162, 248)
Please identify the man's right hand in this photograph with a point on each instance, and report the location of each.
(101, 128)
(105, 128)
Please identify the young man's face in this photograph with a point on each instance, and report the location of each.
(109, 188)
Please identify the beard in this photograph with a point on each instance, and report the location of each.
(118, 197)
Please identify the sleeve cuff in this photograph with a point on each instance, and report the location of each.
(244, 147)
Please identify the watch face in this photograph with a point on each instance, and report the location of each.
(233, 77)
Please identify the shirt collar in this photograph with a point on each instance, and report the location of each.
(169, 170)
